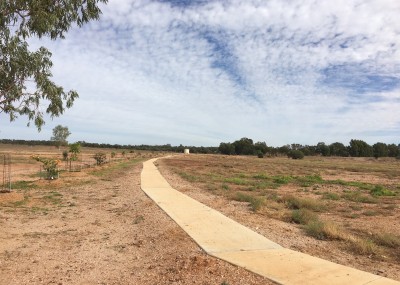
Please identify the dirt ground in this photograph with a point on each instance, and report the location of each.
(102, 230)
(285, 233)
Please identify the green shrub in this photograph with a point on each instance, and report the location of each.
(65, 155)
(296, 154)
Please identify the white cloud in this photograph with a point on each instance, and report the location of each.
(149, 72)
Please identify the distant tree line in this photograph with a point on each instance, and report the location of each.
(356, 148)
(246, 146)
(165, 148)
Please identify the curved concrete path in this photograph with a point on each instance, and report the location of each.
(226, 239)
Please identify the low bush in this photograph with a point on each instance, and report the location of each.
(296, 154)
(100, 158)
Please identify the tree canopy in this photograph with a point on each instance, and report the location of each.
(60, 135)
(25, 76)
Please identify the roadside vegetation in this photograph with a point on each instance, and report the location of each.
(349, 201)
(35, 193)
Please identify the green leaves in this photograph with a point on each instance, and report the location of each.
(25, 76)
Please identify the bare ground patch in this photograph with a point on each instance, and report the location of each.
(100, 229)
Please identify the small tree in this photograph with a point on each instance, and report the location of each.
(65, 155)
(100, 158)
(60, 135)
(74, 149)
(50, 165)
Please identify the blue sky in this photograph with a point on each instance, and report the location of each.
(203, 72)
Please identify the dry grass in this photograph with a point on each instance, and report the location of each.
(325, 196)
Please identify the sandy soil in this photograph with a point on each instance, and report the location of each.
(286, 234)
(106, 231)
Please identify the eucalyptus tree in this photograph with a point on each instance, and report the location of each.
(25, 75)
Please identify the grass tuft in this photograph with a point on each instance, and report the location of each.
(357, 196)
(325, 230)
(303, 203)
(256, 203)
(330, 196)
(303, 216)
(387, 240)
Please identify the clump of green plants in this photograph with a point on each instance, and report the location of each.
(261, 176)
(236, 181)
(308, 180)
(100, 158)
(379, 190)
(65, 155)
(282, 179)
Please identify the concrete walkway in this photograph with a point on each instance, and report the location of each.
(228, 240)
